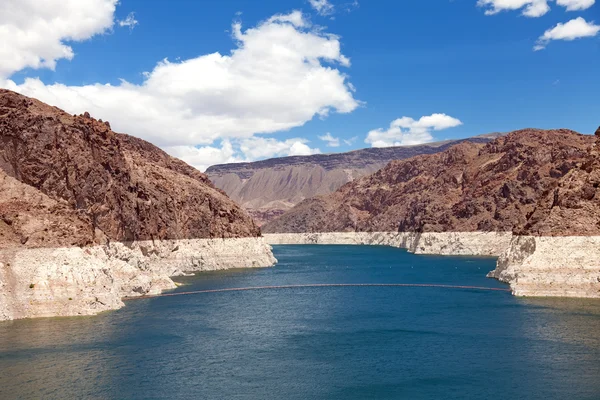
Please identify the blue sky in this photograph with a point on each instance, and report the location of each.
(469, 69)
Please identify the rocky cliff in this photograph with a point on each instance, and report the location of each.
(269, 188)
(128, 188)
(541, 187)
(499, 186)
(90, 211)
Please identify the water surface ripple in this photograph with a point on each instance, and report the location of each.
(325, 342)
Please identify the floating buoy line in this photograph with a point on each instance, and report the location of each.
(320, 285)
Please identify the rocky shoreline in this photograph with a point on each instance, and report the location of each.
(89, 216)
(557, 266)
(72, 281)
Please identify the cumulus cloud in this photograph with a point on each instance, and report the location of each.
(322, 7)
(574, 29)
(129, 21)
(407, 131)
(295, 18)
(330, 140)
(241, 150)
(35, 33)
(259, 147)
(279, 75)
(202, 157)
(531, 8)
(576, 5)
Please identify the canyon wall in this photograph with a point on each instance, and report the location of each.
(88, 216)
(567, 266)
(444, 243)
(540, 187)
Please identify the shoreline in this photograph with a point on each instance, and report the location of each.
(545, 266)
(72, 281)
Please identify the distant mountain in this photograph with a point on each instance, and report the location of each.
(269, 188)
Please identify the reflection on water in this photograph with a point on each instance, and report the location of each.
(317, 343)
(574, 321)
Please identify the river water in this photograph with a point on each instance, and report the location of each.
(317, 343)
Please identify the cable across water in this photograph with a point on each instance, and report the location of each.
(321, 285)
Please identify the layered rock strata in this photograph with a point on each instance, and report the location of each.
(551, 266)
(491, 244)
(88, 216)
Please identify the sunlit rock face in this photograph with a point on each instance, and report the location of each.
(88, 216)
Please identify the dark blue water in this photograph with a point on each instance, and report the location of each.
(317, 343)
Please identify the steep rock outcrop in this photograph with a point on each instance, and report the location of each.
(540, 187)
(88, 216)
(470, 187)
(129, 188)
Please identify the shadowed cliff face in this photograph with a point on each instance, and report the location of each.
(531, 182)
(59, 171)
(269, 188)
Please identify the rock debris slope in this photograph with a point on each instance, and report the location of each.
(92, 214)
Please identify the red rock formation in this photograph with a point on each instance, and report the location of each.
(530, 182)
(573, 206)
(74, 171)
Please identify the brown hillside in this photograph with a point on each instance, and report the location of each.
(75, 171)
(530, 181)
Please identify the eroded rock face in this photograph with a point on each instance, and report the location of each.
(573, 206)
(46, 282)
(30, 219)
(504, 186)
(89, 216)
(125, 187)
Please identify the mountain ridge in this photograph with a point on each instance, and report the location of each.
(270, 187)
(121, 185)
(509, 184)
(89, 216)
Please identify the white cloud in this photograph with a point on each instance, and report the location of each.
(279, 75)
(35, 33)
(129, 21)
(323, 7)
(533, 8)
(331, 141)
(574, 29)
(205, 156)
(259, 147)
(406, 131)
(351, 141)
(241, 150)
(575, 5)
(295, 18)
